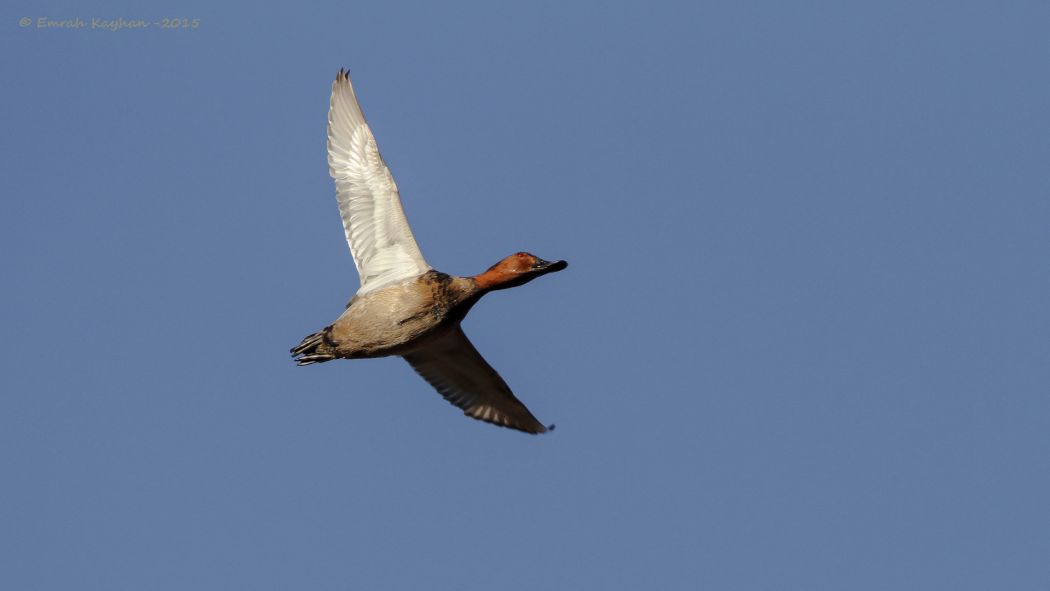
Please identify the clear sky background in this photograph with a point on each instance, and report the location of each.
(803, 341)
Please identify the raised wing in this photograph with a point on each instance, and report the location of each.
(455, 368)
(384, 249)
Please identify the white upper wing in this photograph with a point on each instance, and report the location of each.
(376, 229)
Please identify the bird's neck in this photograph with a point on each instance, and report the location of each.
(494, 279)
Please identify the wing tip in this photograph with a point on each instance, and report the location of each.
(342, 79)
(549, 428)
(532, 427)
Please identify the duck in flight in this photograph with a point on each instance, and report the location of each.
(404, 307)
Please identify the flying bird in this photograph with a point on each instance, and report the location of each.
(404, 307)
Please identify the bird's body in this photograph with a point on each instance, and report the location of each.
(404, 307)
(395, 319)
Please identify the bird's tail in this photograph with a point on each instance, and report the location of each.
(316, 348)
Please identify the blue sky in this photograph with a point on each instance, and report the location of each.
(802, 343)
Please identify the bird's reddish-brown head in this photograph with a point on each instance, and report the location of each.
(517, 269)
